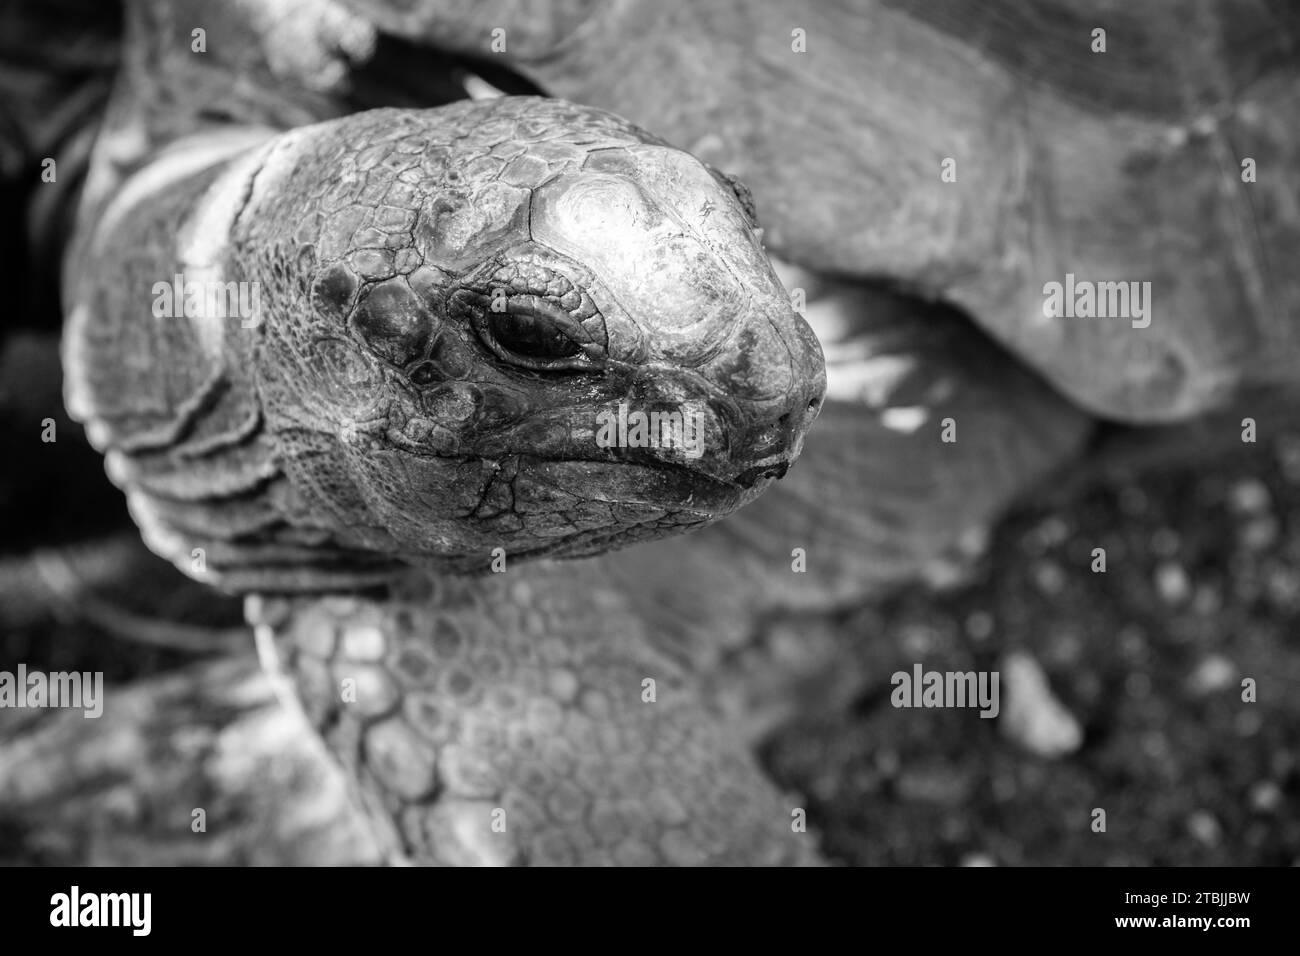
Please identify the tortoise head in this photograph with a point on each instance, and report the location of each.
(550, 333)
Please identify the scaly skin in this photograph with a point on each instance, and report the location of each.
(520, 719)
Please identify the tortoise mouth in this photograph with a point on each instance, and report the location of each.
(664, 487)
(655, 501)
(586, 544)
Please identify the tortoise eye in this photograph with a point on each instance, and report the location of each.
(531, 334)
(530, 331)
(532, 316)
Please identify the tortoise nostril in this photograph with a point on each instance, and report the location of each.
(796, 416)
(752, 476)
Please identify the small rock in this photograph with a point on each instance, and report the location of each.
(953, 569)
(978, 859)
(1249, 496)
(979, 625)
(1214, 673)
(947, 573)
(1065, 647)
(1288, 456)
(974, 541)
(1204, 827)
(1265, 796)
(1052, 531)
(1132, 641)
(1155, 745)
(1283, 586)
(1207, 601)
(1031, 716)
(1258, 533)
(1165, 542)
(918, 640)
(1172, 582)
(1049, 577)
(1247, 723)
(887, 762)
(123, 806)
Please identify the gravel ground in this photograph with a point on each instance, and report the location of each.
(1201, 590)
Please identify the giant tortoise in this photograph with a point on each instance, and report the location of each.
(352, 361)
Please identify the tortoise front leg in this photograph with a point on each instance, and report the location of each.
(521, 719)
